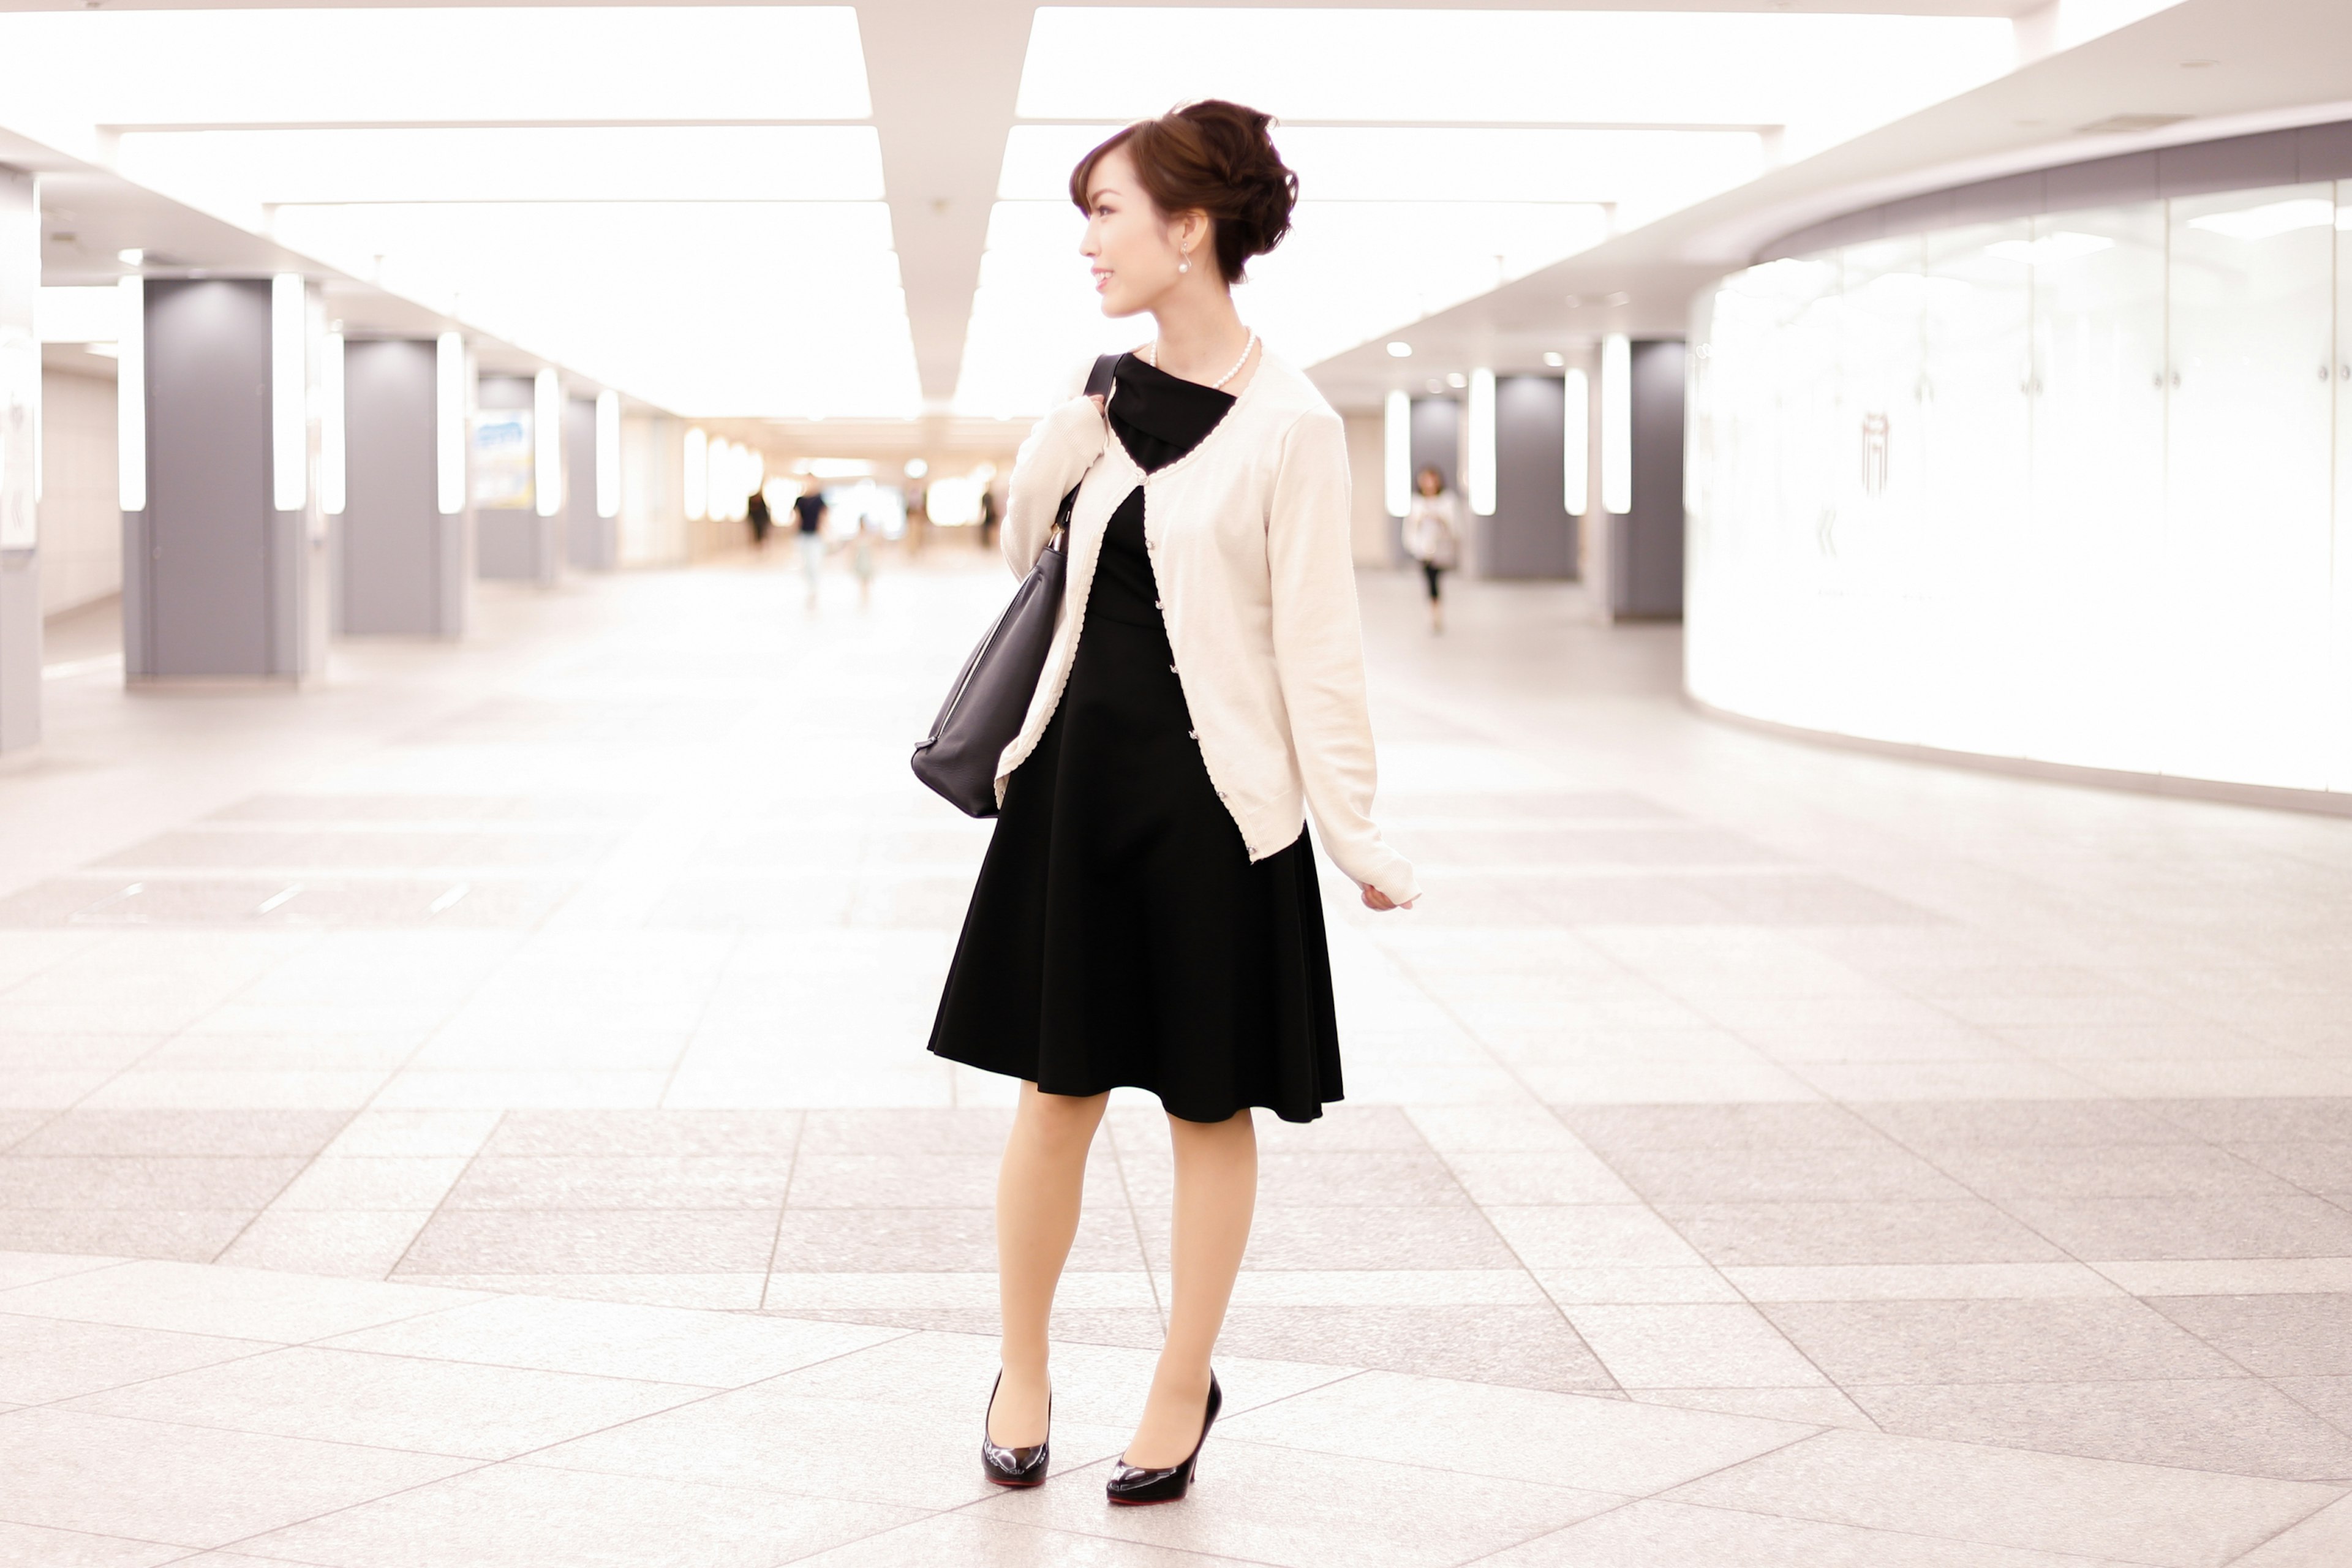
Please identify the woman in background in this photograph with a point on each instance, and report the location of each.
(1433, 535)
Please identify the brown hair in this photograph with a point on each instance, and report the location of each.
(1213, 157)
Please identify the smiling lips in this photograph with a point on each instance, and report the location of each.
(1101, 278)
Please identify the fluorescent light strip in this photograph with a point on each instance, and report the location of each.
(1396, 454)
(608, 454)
(288, 394)
(1617, 424)
(1576, 443)
(1480, 479)
(131, 397)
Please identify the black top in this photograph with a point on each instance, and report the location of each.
(810, 511)
(1120, 934)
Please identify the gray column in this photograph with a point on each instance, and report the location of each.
(1645, 558)
(513, 542)
(20, 413)
(217, 582)
(401, 569)
(593, 543)
(1532, 534)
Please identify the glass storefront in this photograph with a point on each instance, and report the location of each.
(2074, 487)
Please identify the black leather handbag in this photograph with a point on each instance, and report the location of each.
(991, 696)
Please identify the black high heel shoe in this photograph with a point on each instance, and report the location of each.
(1131, 1485)
(1013, 1466)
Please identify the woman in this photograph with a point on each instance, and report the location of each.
(1433, 535)
(1147, 913)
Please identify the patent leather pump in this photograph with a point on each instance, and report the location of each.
(1130, 1484)
(1013, 1466)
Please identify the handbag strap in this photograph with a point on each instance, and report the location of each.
(1098, 381)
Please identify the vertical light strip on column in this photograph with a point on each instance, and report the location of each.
(608, 454)
(1480, 480)
(131, 399)
(1576, 443)
(449, 421)
(547, 442)
(1396, 454)
(288, 395)
(1617, 424)
(331, 425)
(696, 486)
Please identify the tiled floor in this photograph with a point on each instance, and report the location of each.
(475, 1112)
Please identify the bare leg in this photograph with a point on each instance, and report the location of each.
(1216, 1194)
(1038, 1189)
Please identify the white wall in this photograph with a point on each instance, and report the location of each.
(81, 521)
(2075, 488)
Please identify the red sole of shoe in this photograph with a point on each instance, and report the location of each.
(1017, 1486)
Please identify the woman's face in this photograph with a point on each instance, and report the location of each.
(1430, 483)
(1135, 251)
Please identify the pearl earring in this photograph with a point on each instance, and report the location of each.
(1184, 262)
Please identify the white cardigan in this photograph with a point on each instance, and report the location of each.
(1248, 535)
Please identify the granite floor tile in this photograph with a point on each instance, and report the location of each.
(188, 1486)
(623, 1182)
(2230, 1276)
(2322, 1540)
(358, 1183)
(1651, 1534)
(363, 1244)
(2046, 1340)
(2270, 1336)
(2323, 1168)
(2191, 1227)
(1592, 1235)
(601, 1339)
(645, 1133)
(2321, 1120)
(2104, 1171)
(904, 1180)
(769, 1437)
(2034, 1123)
(1609, 1446)
(527, 1514)
(957, 1541)
(1301, 1509)
(185, 1235)
(1519, 1346)
(1817, 1405)
(1518, 1176)
(1612, 1128)
(2329, 1399)
(605, 1241)
(1766, 1234)
(1721, 1345)
(2237, 1425)
(468, 1410)
(2010, 1498)
(31, 1545)
(237, 1303)
(1777, 1174)
(129, 1182)
(156, 1134)
(1921, 1282)
(45, 1359)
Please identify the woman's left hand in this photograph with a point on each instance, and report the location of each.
(1376, 900)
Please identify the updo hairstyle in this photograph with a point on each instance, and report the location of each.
(1214, 157)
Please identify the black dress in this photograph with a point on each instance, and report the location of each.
(1119, 933)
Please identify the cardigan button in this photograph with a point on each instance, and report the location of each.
(1195, 735)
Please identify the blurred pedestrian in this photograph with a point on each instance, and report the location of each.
(762, 519)
(808, 515)
(1433, 535)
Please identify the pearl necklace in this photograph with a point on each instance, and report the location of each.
(1218, 384)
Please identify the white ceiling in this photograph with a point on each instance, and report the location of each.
(858, 212)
